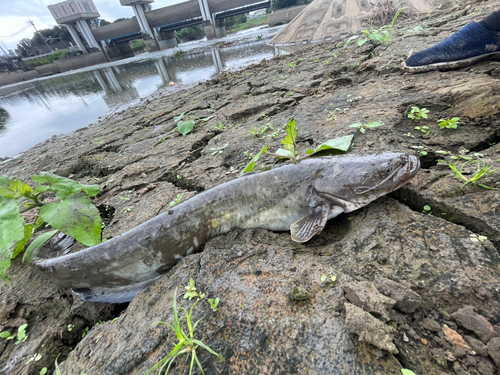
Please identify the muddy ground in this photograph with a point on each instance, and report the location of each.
(413, 289)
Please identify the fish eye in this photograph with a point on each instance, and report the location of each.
(385, 168)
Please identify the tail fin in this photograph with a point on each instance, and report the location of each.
(119, 294)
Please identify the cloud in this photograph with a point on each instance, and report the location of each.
(14, 16)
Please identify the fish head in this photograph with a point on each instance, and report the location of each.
(352, 181)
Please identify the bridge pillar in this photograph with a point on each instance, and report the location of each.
(141, 19)
(220, 30)
(167, 40)
(76, 38)
(209, 30)
(87, 34)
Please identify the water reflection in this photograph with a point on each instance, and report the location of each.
(65, 103)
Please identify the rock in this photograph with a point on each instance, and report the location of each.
(300, 294)
(494, 350)
(406, 299)
(454, 338)
(431, 325)
(439, 356)
(459, 370)
(477, 346)
(369, 329)
(475, 322)
(485, 367)
(364, 295)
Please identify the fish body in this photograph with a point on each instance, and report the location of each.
(298, 197)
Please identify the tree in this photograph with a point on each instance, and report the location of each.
(24, 46)
(104, 22)
(120, 19)
(190, 33)
(229, 22)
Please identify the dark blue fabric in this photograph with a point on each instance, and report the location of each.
(470, 41)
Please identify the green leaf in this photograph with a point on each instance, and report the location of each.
(36, 244)
(43, 371)
(407, 372)
(63, 187)
(4, 266)
(374, 124)
(13, 188)
(356, 125)
(28, 233)
(5, 334)
(75, 216)
(361, 42)
(207, 118)
(285, 153)
(11, 229)
(185, 127)
(341, 144)
(350, 39)
(179, 118)
(291, 133)
(250, 166)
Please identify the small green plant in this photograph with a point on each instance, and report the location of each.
(70, 327)
(259, 37)
(220, 126)
(21, 334)
(362, 127)
(351, 98)
(214, 303)
(383, 34)
(85, 331)
(316, 60)
(407, 372)
(248, 154)
(218, 150)
(448, 124)
(176, 200)
(73, 214)
(427, 210)
(337, 145)
(187, 343)
(482, 170)
(192, 291)
(421, 150)
(477, 238)
(417, 113)
(423, 129)
(333, 278)
(259, 131)
(186, 124)
(292, 64)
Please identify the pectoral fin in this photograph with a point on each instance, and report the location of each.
(309, 226)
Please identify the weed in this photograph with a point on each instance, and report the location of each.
(70, 327)
(187, 343)
(128, 209)
(85, 331)
(218, 150)
(258, 131)
(333, 278)
(448, 124)
(420, 149)
(176, 200)
(21, 334)
(476, 238)
(482, 170)
(362, 127)
(71, 214)
(423, 129)
(220, 126)
(316, 60)
(290, 152)
(351, 99)
(214, 303)
(427, 210)
(410, 135)
(407, 372)
(292, 65)
(248, 154)
(259, 37)
(417, 113)
(383, 34)
(186, 124)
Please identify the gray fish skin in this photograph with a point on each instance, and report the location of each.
(298, 196)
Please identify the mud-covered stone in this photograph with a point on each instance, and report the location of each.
(406, 299)
(477, 346)
(431, 325)
(369, 329)
(366, 296)
(475, 322)
(494, 350)
(485, 367)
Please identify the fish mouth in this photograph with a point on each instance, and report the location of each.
(409, 169)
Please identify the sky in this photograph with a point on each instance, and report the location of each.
(14, 16)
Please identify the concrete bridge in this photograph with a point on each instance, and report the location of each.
(157, 27)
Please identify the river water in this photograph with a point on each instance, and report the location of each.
(36, 110)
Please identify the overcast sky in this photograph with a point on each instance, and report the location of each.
(14, 16)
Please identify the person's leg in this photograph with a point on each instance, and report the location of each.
(492, 22)
(473, 43)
